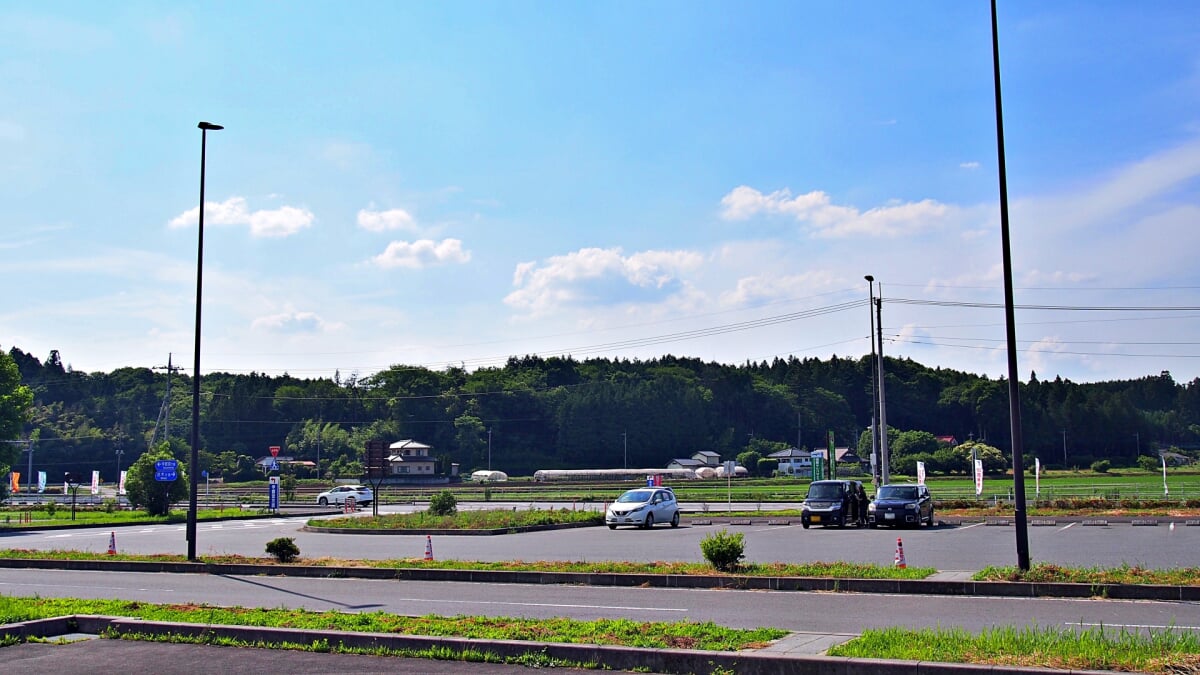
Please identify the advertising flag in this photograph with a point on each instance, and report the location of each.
(978, 477)
(920, 473)
(1037, 476)
(41, 481)
(95, 482)
(16, 482)
(121, 485)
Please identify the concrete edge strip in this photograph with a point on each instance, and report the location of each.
(614, 657)
(1020, 589)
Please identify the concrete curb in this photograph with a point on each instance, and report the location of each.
(891, 586)
(616, 658)
(455, 532)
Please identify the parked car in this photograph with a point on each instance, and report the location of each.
(361, 493)
(833, 502)
(643, 507)
(901, 505)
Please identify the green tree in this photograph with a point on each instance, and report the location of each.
(15, 399)
(152, 495)
(749, 459)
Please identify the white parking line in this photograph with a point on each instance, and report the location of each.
(967, 527)
(544, 604)
(1067, 526)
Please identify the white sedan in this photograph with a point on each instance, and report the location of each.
(361, 494)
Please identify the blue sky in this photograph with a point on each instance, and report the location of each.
(453, 183)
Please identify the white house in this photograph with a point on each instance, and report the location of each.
(410, 458)
(793, 462)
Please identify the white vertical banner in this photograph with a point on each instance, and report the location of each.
(121, 484)
(1037, 476)
(978, 477)
(920, 473)
(95, 482)
(1164, 461)
(41, 481)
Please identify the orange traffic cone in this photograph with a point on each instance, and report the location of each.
(112, 543)
(429, 548)
(900, 563)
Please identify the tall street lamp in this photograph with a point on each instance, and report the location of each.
(874, 388)
(193, 465)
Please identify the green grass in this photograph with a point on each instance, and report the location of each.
(41, 519)
(491, 519)
(1097, 648)
(624, 632)
(1125, 574)
(834, 570)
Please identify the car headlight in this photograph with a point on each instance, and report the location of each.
(637, 508)
(871, 506)
(837, 506)
(910, 507)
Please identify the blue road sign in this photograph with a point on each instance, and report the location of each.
(273, 495)
(166, 465)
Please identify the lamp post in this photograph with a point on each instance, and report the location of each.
(625, 447)
(193, 464)
(874, 387)
(489, 449)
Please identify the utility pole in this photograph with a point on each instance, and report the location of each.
(1064, 448)
(874, 386)
(165, 413)
(884, 471)
(625, 444)
(489, 449)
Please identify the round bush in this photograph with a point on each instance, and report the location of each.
(723, 550)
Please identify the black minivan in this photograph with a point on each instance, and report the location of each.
(834, 502)
(903, 504)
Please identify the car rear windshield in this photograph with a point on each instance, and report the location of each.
(896, 492)
(825, 491)
(636, 496)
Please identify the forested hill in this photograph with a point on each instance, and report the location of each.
(562, 413)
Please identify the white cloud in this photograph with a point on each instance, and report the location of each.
(815, 208)
(422, 253)
(601, 276)
(282, 222)
(292, 322)
(970, 166)
(767, 287)
(382, 221)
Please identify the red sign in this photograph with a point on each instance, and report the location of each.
(274, 450)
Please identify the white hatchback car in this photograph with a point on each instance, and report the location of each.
(361, 493)
(643, 507)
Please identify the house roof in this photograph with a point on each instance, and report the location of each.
(408, 443)
(707, 453)
(789, 453)
(687, 462)
(947, 439)
(846, 455)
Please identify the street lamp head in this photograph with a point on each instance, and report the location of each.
(869, 278)
(209, 126)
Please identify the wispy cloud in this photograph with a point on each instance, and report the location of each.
(382, 221)
(827, 219)
(422, 253)
(282, 222)
(293, 322)
(969, 166)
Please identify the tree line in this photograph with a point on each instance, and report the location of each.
(541, 413)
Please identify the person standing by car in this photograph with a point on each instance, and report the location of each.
(861, 504)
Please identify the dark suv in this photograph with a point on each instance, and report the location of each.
(834, 502)
(901, 505)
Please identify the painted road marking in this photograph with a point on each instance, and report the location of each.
(1068, 526)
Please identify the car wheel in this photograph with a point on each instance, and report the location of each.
(649, 523)
(675, 520)
(872, 525)
(612, 527)
(323, 502)
(804, 524)
(931, 520)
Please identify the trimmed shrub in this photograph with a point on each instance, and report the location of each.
(284, 549)
(723, 550)
(1101, 466)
